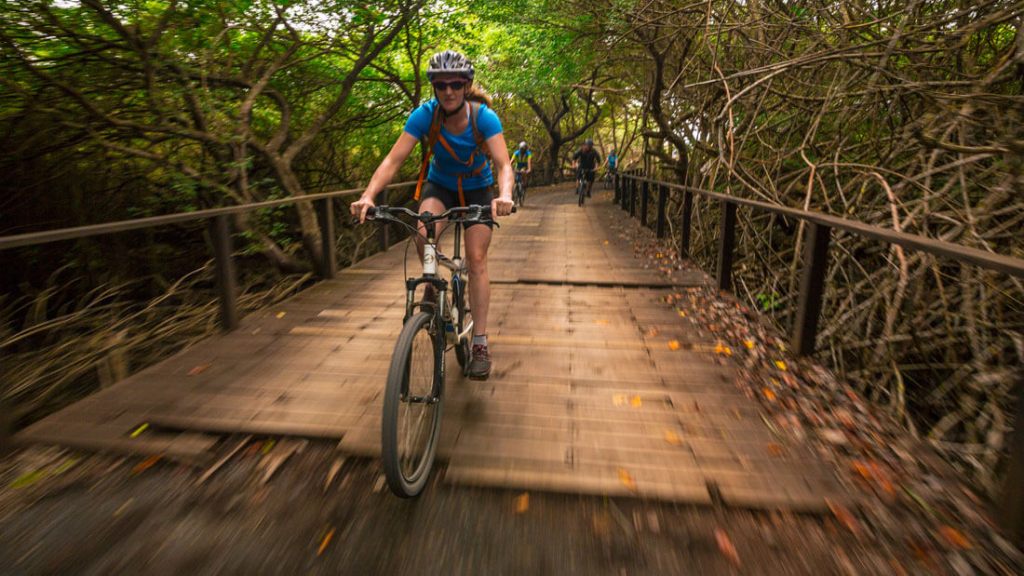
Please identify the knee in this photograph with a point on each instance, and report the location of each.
(477, 264)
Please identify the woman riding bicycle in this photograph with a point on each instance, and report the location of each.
(459, 175)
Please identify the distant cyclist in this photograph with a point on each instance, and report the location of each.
(522, 162)
(585, 162)
(612, 161)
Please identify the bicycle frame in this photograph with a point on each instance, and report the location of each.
(431, 258)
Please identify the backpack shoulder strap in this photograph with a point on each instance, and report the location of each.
(432, 135)
(474, 111)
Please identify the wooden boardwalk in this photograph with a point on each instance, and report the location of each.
(587, 394)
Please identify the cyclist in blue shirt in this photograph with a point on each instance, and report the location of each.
(464, 131)
(522, 162)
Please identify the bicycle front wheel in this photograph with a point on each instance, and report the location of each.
(411, 421)
(581, 191)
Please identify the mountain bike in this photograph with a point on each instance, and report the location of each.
(581, 186)
(519, 192)
(414, 390)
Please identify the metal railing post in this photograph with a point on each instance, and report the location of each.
(684, 234)
(662, 202)
(1011, 499)
(632, 198)
(329, 266)
(645, 193)
(812, 289)
(726, 243)
(220, 236)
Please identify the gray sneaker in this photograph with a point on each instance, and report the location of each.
(480, 363)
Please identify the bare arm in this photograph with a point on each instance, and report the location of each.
(502, 205)
(384, 174)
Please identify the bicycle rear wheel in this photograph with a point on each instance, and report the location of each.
(411, 420)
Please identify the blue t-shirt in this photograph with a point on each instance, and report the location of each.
(521, 159)
(443, 168)
(612, 160)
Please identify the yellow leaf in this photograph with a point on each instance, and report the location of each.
(522, 503)
(635, 402)
(672, 438)
(723, 349)
(135, 433)
(627, 479)
(601, 322)
(325, 541)
(749, 344)
(280, 314)
(780, 365)
(605, 242)
(673, 345)
(651, 333)
(682, 314)
(619, 399)
(769, 394)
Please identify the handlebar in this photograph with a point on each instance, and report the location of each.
(473, 213)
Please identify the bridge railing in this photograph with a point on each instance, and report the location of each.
(633, 190)
(220, 234)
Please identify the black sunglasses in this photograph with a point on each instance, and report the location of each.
(455, 85)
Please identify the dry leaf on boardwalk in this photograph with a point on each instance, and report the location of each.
(674, 345)
(146, 464)
(522, 503)
(198, 370)
(327, 540)
(726, 547)
(627, 479)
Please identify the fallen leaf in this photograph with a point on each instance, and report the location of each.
(651, 333)
(135, 433)
(335, 468)
(673, 345)
(198, 370)
(146, 464)
(780, 365)
(280, 314)
(605, 242)
(627, 480)
(769, 394)
(726, 548)
(635, 402)
(522, 503)
(682, 314)
(327, 540)
(601, 322)
(749, 344)
(619, 399)
(775, 449)
(955, 538)
(672, 438)
(379, 484)
(844, 516)
(722, 349)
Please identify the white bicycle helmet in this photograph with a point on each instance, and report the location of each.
(449, 62)
(522, 145)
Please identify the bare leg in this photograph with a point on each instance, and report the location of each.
(478, 240)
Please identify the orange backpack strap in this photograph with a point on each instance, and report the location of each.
(432, 135)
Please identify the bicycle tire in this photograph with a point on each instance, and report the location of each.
(581, 189)
(404, 481)
(463, 348)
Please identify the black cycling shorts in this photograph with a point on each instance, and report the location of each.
(450, 198)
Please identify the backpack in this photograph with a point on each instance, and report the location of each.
(434, 135)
